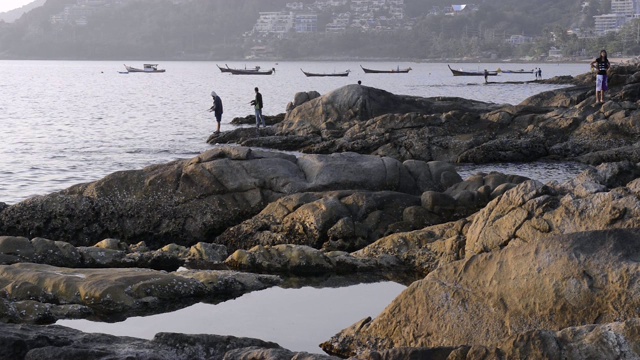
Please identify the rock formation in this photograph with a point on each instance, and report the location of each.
(563, 124)
(190, 201)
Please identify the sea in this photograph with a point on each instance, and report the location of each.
(70, 122)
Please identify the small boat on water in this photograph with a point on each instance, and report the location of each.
(251, 72)
(147, 68)
(521, 71)
(227, 69)
(308, 74)
(471, 73)
(392, 71)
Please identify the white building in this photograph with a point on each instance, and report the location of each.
(628, 8)
(555, 52)
(281, 22)
(608, 22)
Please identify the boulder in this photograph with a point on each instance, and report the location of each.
(58, 342)
(611, 341)
(113, 294)
(550, 284)
(191, 201)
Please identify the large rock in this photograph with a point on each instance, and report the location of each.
(598, 199)
(190, 201)
(340, 108)
(612, 341)
(44, 292)
(58, 342)
(549, 284)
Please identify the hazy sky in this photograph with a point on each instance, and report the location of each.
(6, 5)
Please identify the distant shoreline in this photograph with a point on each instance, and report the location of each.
(614, 60)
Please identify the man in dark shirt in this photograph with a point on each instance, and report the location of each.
(217, 109)
(257, 104)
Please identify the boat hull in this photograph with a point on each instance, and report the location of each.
(517, 71)
(342, 74)
(397, 71)
(250, 72)
(471, 73)
(136, 70)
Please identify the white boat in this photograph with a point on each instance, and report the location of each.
(148, 68)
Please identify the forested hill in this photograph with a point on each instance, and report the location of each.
(213, 29)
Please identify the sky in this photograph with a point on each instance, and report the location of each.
(6, 5)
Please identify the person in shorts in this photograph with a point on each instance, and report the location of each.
(601, 65)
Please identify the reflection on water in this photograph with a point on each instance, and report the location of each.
(540, 171)
(297, 319)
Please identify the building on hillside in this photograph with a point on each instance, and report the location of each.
(608, 23)
(339, 24)
(622, 11)
(554, 52)
(516, 40)
(274, 22)
(281, 22)
(295, 6)
(628, 8)
(305, 22)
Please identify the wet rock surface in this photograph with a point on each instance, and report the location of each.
(35, 293)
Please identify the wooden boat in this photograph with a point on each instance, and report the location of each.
(251, 72)
(308, 74)
(148, 68)
(471, 73)
(227, 69)
(392, 71)
(521, 71)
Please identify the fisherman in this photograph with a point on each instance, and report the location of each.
(257, 104)
(216, 108)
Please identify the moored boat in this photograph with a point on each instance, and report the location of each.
(521, 71)
(308, 74)
(147, 68)
(392, 71)
(471, 73)
(251, 72)
(227, 69)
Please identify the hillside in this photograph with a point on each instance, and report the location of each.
(213, 29)
(13, 15)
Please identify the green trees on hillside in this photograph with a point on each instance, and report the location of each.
(215, 29)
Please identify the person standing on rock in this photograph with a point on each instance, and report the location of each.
(257, 104)
(217, 109)
(601, 65)
(486, 76)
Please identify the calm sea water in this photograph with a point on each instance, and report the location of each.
(66, 122)
(69, 122)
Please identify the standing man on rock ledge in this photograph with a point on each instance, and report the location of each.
(257, 104)
(217, 109)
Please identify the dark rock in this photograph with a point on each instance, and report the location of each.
(251, 120)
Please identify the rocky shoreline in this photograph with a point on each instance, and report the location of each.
(498, 266)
